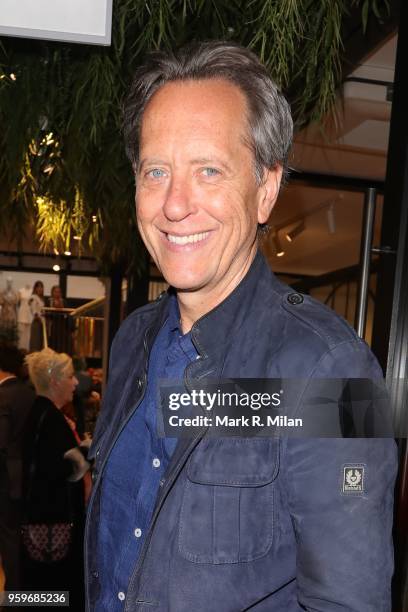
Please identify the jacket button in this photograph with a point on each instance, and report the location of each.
(295, 298)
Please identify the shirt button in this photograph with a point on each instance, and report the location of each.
(295, 298)
(121, 595)
(156, 462)
(137, 532)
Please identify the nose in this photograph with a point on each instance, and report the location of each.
(75, 381)
(178, 202)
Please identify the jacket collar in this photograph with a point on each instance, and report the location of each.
(218, 328)
(232, 313)
(229, 315)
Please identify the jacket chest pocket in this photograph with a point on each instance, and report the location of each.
(227, 513)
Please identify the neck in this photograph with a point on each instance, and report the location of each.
(195, 304)
(52, 397)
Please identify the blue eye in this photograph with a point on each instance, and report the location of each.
(210, 172)
(156, 173)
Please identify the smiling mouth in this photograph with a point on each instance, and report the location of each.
(192, 238)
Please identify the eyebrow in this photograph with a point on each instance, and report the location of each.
(211, 160)
(197, 160)
(154, 160)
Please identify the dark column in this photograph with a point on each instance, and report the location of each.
(393, 197)
(390, 332)
(397, 377)
(63, 282)
(138, 285)
(114, 304)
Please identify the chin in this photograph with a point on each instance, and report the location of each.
(186, 280)
(183, 284)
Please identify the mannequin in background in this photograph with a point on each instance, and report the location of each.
(8, 303)
(37, 303)
(24, 317)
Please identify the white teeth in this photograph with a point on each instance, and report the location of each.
(187, 239)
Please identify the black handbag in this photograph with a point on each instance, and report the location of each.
(44, 542)
(47, 543)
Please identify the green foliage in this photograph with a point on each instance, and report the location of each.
(62, 162)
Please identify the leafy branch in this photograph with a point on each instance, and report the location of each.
(62, 163)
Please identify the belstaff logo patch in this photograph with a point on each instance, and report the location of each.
(353, 479)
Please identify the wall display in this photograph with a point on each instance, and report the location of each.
(83, 21)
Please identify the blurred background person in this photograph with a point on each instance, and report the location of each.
(83, 396)
(54, 482)
(24, 317)
(56, 300)
(16, 400)
(37, 303)
(58, 323)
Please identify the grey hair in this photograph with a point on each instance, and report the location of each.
(270, 119)
(45, 365)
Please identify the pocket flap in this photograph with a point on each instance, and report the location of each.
(234, 462)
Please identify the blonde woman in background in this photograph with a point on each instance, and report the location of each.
(54, 489)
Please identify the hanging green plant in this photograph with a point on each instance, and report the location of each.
(62, 161)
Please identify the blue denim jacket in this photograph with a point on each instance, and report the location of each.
(255, 523)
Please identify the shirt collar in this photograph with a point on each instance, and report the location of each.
(174, 314)
(11, 377)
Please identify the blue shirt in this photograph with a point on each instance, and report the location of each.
(134, 469)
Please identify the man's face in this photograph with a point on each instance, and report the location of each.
(197, 200)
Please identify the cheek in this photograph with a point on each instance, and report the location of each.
(146, 211)
(238, 212)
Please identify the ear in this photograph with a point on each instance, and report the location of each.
(53, 381)
(268, 192)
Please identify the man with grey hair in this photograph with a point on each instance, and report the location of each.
(227, 524)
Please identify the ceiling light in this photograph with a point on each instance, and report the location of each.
(77, 237)
(13, 76)
(56, 268)
(278, 247)
(67, 253)
(295, 231)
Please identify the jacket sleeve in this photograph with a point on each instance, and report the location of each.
(343, 533)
